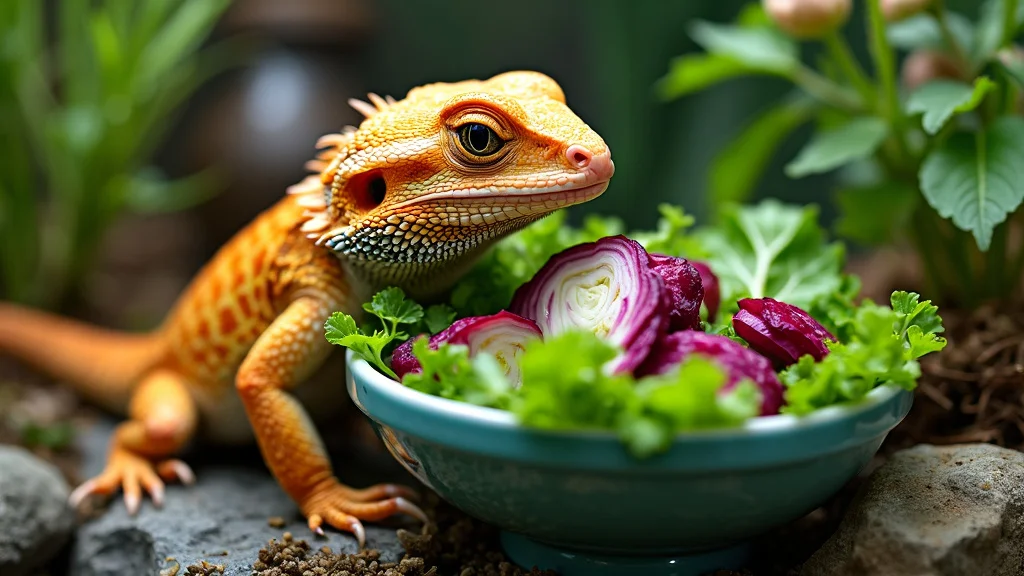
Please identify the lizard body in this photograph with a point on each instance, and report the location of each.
(409, 198)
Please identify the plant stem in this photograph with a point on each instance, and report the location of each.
(1009, 21)
(885, 70)
(959, 54)
(825, 90)
(925, 237)
(995, 262)
(840, 52)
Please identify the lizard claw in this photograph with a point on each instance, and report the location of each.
(174, 469)
(132, 474)
(343, 508)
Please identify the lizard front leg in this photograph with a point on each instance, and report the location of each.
(288, 351)
(162, 419)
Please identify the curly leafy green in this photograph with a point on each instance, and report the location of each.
(918, 323)
(565, 389)
(564, 386)
(688, 398)
(449, 372)
(882, 346)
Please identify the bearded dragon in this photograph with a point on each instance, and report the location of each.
(410, 198)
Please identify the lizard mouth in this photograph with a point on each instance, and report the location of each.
(524, 201)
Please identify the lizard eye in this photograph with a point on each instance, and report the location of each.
(479, 140)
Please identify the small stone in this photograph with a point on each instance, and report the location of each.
(35, 520)
(970, 522)
(276, 522)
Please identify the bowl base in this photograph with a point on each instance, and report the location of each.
(528, 553)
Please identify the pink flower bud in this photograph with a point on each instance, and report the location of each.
(808, 18)
(896, 10)
(925, 65)
(779, 331)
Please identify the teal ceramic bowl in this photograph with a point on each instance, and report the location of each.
(578, 503)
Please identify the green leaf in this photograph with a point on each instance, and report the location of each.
(736, 170)
(690, 397)
(672, 234)
(341, 329)
(391, 304)
(923, 32)
(438, 317)
(449, 372)
(917, 323)
(826, 151)
(938, 100)
(875, 214)
(920, 342)
(910, 311)
(149, 192)
(872, 356)
(54, 436)
(989, 30)
(694, 72)
(180, 35)
(774, 250)
(977, 179)
(763, 49)
(563, 388)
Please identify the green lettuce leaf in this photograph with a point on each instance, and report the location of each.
(773, 250)
(882, 346)
(564, 387)
(450, 373)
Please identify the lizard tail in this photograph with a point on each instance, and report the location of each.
(103, 365)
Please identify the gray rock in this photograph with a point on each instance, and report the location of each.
(222, 519)
(35, 521)
(943, 511)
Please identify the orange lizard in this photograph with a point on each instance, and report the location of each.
(409, 198)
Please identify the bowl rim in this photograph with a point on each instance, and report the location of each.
(472, 414)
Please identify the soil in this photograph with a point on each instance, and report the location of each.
(452, 543)
(455, 544)
(973, 391)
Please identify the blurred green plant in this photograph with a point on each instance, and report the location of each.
(927, 156)
(82, 111)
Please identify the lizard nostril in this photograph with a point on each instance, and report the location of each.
(579, 156)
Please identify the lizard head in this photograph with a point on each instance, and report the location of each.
(426, 183)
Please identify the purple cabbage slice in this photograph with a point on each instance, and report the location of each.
(606, 287)
(686, 291)
(712, 290)
(502, 335)
(738, 362)
(781, 332)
